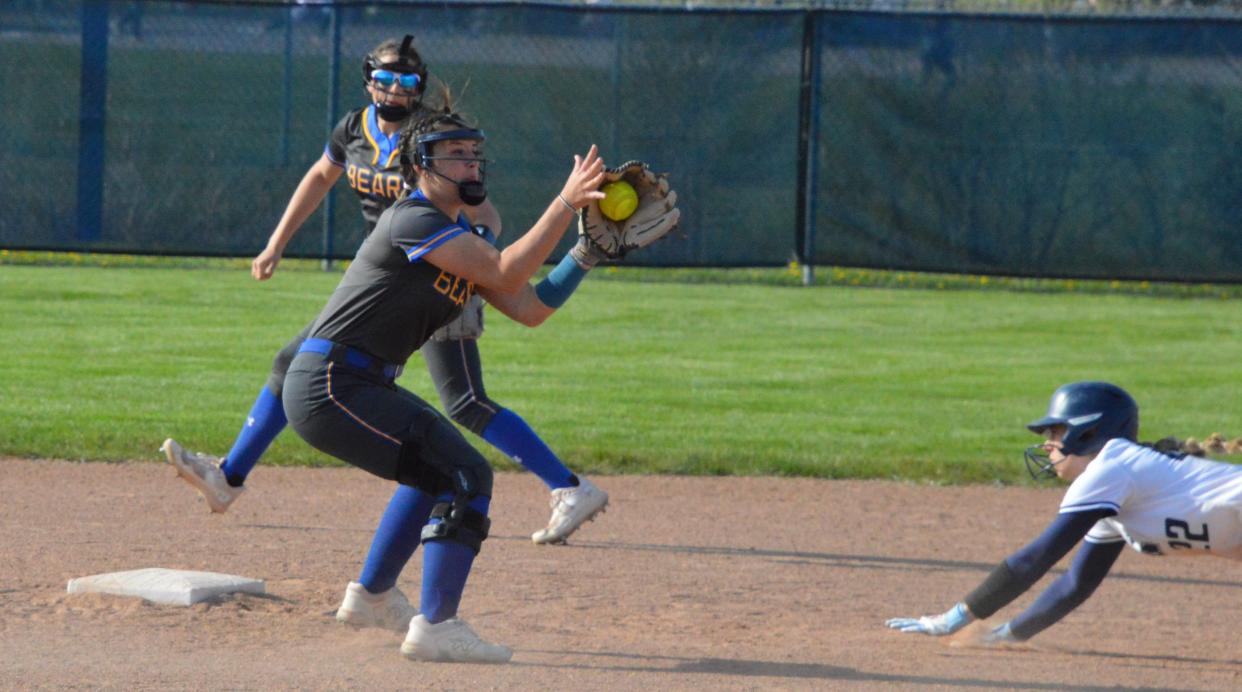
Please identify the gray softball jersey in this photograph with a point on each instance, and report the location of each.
(391, 300)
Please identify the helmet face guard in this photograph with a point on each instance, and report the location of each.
(408, 62)
(1092, 413)
(1038, 463)
(471, 192)
(423, 142)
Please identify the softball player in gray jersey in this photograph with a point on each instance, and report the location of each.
(363, 147)
(412, 275)
(1121, 493)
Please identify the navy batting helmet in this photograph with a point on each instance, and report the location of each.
(1092, 413)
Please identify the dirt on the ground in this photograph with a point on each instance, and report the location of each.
(685, 583)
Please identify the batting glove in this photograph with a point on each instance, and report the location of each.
(936, 625)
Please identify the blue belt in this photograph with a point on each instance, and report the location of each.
(352, 357)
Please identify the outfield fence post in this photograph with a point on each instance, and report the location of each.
(808, 135)
(93, 91)
(286, 95)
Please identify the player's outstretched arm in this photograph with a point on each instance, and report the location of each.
(523, 307)
(315, 185)
(656, 213)
(1010, 579)
(1070, 590)
(534, 304)
(473, 259)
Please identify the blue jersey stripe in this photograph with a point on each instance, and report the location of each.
(441, 237)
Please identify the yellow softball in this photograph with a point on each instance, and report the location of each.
(620, 200)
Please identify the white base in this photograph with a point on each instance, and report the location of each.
(167, 586)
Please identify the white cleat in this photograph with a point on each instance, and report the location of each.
(389, 610)
(571, 508)
(203, 472)
(451, 640)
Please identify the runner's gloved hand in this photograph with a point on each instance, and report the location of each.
(949, 622)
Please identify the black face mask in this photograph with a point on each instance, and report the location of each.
(470, 192)
(392, 112)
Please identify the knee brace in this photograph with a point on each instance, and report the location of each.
(437, 459)
(458, 523)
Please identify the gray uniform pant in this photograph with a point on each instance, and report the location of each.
(455, 367)
(379, 427)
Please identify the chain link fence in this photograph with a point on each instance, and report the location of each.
(1060, 139)
(1107, 148)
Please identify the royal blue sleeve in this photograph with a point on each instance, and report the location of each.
(560, 283)
(1069, 591)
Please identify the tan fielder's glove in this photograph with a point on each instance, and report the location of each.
(600, 238)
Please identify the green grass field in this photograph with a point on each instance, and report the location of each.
(680, 375)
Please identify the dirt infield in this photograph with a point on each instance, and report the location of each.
(703, 583)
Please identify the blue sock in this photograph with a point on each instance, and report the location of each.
(446, 564)
(511, 435)
(266, 420)
(396, 539)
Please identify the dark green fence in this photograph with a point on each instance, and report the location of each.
(991, 143)
(1088, 148)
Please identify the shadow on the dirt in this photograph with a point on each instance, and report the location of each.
(867, 561)
(1153, 660)
(813, 671)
